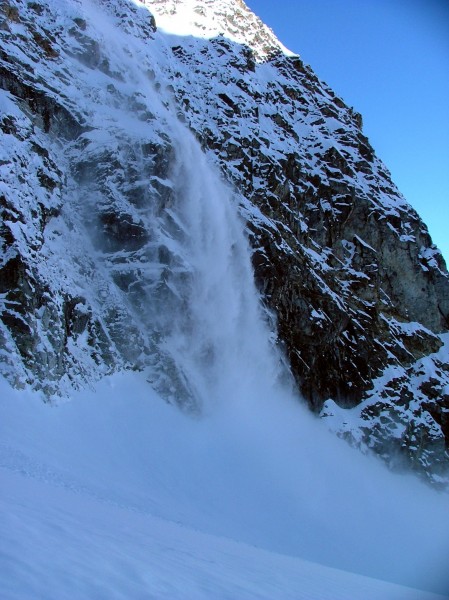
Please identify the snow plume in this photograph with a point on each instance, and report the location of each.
(118, 495)
(218, 336)
(197, 297)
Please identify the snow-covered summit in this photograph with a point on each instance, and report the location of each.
(210, 18)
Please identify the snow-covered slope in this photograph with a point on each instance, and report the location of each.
(110, 211)
(117, 495)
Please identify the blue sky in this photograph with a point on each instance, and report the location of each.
(389, 59)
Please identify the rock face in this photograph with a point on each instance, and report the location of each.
(360, 293)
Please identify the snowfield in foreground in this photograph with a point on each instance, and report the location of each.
(118, 495)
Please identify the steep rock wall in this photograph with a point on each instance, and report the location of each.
(360, 293)
(345, 262)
